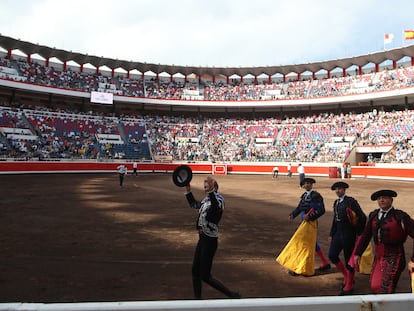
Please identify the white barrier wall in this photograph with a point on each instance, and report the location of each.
(394, 302)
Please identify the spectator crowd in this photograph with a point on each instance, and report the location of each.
(47, 133)
(41, 133)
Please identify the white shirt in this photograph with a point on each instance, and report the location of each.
(383, 213)
(122, 169)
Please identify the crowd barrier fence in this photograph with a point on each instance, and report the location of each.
(377, 171)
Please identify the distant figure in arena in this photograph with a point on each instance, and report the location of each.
(275, 172)
(135, 168)
(301, 172)
(122, 171)
(289, 170)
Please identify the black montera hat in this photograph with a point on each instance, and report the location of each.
(383, 193)
(339, 184)
(311, 180)
(182, 175)
(307, 179)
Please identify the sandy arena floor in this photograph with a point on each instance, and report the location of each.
(80, 237)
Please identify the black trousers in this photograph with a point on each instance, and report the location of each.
(202, 264)
(121, 179)
(342, 241)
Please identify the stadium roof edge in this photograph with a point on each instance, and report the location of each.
(28, 48)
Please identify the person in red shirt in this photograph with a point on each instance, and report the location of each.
(389, 228)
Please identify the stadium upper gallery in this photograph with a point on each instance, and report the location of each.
(56, 104)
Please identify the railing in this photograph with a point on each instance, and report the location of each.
(394, 302)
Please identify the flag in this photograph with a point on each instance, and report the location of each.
(388, 37)
(408, 34)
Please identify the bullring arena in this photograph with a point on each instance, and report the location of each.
(82, 238)
(71, 234)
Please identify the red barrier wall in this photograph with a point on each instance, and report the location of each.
(7, 167)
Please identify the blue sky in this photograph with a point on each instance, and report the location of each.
(220, 33)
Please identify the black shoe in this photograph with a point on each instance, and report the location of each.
(235, 295)
(324, 268)
(343, 292)
(292, 273)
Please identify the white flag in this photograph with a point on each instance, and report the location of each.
(388, 37)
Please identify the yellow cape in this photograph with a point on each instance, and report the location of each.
(367, 258)
(299, 254)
